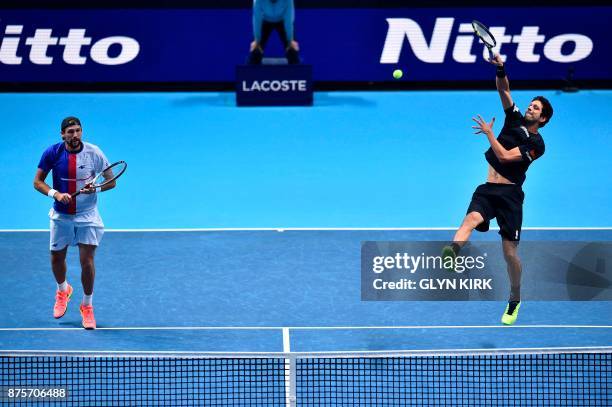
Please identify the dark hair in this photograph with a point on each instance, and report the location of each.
(70, 121)
(547, 109)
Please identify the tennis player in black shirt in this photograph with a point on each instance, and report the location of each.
(518, 145)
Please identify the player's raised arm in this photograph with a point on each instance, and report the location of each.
(501, 81)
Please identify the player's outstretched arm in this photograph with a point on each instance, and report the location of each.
(501, 81)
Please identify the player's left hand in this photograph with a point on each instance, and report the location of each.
(483, 126)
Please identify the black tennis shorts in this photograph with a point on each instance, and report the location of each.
(501, 201)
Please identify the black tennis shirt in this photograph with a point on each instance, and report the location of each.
(515, 134)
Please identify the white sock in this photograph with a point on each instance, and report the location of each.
(63, 286)
(87, 299)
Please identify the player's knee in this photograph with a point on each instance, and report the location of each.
(511, 257)
(87, 262)
(57, 260)
(472, 219)
(513, 260)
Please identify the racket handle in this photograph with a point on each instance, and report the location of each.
(490, 53)
(75, 194)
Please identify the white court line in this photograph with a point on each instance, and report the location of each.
(158, 328)
(313, 328)
(347, 353)
(313, 229)
(286, 340)
(290, 367)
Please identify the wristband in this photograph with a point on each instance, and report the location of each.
(501, 72)
(51, 193)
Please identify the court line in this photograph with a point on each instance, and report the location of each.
(315, 354)
(286, 340)
(292, 229)
(307, 328)
(290, 386)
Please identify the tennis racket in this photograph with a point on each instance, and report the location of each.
(483, 33)
(106, 176)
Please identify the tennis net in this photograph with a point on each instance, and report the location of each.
(566, 377)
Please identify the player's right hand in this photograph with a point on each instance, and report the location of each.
(63, 198)
(497, 60)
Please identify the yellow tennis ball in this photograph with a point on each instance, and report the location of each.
(397, 74)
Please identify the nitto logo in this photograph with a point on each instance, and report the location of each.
(73, 43)
(435, 51)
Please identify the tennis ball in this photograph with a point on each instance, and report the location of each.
(397, 74)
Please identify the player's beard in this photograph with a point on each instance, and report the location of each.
(74, 144)
(529, 122)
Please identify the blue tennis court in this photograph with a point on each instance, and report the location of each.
(238, 231)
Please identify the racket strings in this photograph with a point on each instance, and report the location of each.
(109, 174)
(483, 33)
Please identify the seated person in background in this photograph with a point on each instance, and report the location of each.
(271, 15)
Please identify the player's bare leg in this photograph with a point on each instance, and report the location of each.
(88, 275)
(64, 290)
(470, 222)
(514, 274)
(468, 225)
(58, 264)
